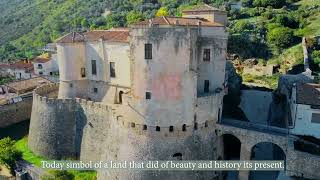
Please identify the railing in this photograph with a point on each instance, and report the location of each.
(255, 127)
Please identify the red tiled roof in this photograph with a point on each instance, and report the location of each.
(178, 21)
(4, 65)
(308, 94)
(18, 65)
(116, 35)
(202, 7)
(41, 60)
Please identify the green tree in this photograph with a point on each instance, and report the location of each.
(242, 26)
(8, 153)
(272, 3)
(280, 38)
(134, 16)
(163, 11)
(316, 57)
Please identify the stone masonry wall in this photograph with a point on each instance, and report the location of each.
(15, 113)
(66, 128)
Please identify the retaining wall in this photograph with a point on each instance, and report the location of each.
(15, 113)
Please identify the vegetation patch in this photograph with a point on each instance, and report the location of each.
(28, 155)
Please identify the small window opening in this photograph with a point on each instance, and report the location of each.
(184, 127)
(206, 55)
(178, 156)
(157, 128)
(95, 90)
(171, 129)
(148, 95)
(206, 86)
(145, 127)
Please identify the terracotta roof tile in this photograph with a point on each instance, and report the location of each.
(23, 64)
(308, 94)
(28, 84)
(178, 21)
(41, 60)
(116, 35)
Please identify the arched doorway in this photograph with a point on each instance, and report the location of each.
(266, 151)
(231, 151)
(120, 97)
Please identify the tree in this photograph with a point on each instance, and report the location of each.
(242, 26)
(8, 153)
(134, 16)
(280, 38)
(163, 11)
(272, 3)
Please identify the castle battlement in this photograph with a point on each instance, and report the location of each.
(122, 120)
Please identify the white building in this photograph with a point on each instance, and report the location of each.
(20, 70)
(46, 66)
(305, 109)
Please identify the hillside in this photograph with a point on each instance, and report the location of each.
(27, 25)
(267, 30)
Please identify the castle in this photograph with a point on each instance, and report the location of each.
(153, 91)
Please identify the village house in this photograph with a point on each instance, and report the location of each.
(305, 109)
(46, 66)
(22, 69)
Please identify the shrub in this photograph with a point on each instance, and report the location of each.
(272, 3)
(281, 38)
(134, 16)
(316, 57)
(242, 26)
(267, 15)
(247, 3)
(163, 11)
(287, 20)
(8, 153)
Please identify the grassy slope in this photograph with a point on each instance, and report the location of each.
(28, 155)
(290, 56)
(314, 21)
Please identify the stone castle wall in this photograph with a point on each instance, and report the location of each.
(15, 113)
(77, 128)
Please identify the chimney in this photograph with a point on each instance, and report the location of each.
(150, 22)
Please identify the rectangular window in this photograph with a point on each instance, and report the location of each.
(315, 118)
(112, 69)
(94, 67)
(148, 51)
(206, 55)
(206, 86)
(39, 66)
(95, 90)
(148, 95)
(83, 72)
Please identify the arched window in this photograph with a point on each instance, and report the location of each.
(120, 97)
